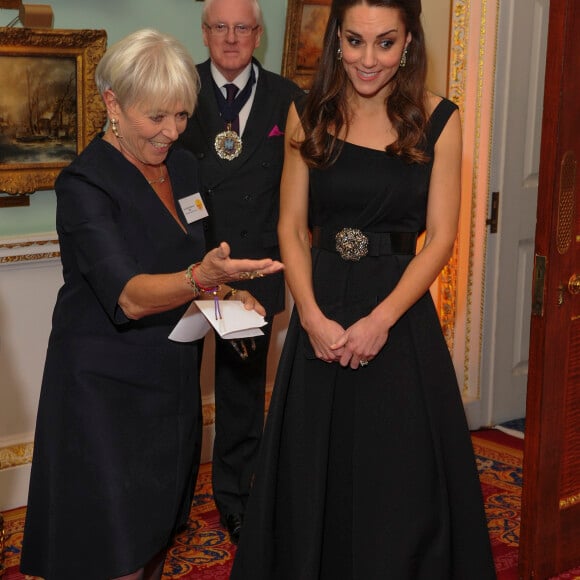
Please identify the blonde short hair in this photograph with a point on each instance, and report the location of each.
(149, 67)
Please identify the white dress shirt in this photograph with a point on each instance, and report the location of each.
(240, 81)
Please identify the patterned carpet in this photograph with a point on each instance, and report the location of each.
(203, 552)
(499, 462)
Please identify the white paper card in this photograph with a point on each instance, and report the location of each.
(193, 325)
(235, 321)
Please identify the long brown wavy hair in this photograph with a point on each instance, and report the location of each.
(326, 108)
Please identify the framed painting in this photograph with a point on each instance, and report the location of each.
(305, 25)
(49, 105)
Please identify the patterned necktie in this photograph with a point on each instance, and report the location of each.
(231, 92)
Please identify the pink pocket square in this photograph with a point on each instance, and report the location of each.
(275, 132)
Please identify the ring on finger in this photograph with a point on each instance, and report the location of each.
(363, 362)
(256, 274)
(250, 275)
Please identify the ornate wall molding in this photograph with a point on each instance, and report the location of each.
(457, 53)
(471, 86)
(15, 455)
(456, 93)
(32, 248)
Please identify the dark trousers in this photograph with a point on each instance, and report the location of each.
(239, 420)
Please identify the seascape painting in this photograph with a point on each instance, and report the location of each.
(38, 110)
(50, 108)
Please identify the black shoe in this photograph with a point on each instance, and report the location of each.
(233, 524)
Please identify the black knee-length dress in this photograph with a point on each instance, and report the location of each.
(118, 431)
(367, 474)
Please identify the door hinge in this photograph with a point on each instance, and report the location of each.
(493, 218)
(538, 285)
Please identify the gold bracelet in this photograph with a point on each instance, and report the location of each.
(230, 294)
(191, 280)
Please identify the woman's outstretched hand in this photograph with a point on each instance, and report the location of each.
(218, 268)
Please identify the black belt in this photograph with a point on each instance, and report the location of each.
(352, 244)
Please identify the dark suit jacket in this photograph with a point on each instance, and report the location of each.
(242, 195)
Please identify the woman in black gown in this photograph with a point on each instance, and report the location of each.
(118, 432)
(367, 470)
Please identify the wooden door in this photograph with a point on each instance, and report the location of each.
(550, 532)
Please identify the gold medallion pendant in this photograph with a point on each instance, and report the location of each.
(228, 144)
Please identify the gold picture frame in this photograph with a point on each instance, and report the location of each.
(50, 107)
(305, 25)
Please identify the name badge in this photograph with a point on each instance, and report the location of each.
(193, 208)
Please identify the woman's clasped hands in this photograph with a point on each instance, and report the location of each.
(355, 346)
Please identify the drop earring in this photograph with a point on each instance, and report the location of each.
(339, 54)
(115, 128)
(403, 62)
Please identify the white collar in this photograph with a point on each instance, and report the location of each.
(240, 81)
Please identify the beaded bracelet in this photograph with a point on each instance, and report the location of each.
(198, 288)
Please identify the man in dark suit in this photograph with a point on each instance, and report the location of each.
(236, 134)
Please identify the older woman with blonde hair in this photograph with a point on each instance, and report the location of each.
(118, 432)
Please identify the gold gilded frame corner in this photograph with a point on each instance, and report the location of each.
(295, 41)
(87, 48)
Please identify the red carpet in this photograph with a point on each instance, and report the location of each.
(203, 551)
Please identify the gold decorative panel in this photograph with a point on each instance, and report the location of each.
(570, 478)
(566, 202)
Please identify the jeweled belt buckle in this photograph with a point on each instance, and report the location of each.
(351, 244)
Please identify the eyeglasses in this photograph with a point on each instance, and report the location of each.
(221, 29)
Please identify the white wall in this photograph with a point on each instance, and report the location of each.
(29, 280)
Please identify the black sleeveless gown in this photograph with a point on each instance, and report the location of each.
(367, 474)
